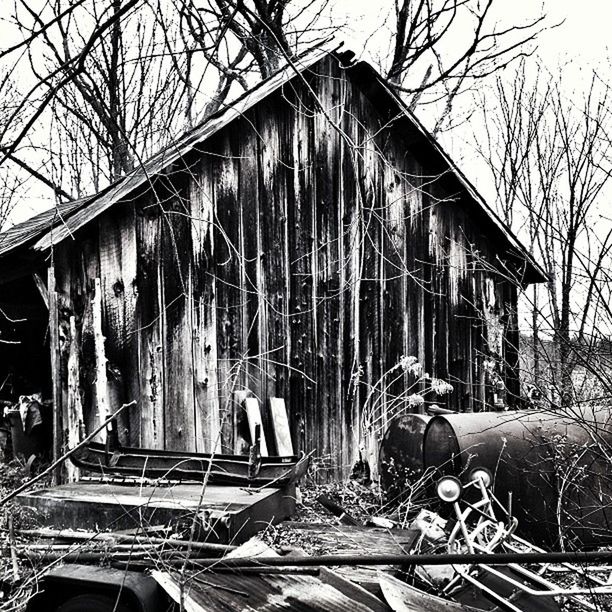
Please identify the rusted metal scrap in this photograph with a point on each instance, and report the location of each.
(216, 468)
(217, 592)
(337, 510)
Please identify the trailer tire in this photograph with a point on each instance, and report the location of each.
(93, 603)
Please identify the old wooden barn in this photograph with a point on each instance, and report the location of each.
(302, 243)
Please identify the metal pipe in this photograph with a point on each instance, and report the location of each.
(585, 557)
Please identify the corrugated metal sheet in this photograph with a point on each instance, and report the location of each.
(215, 592)
(239, 592)
(26, 232)
(284, 589)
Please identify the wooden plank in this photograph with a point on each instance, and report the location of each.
(102, 406)
(302, 389)
(42, 288)
(353, 260)
(64, 257)
(176, 591)
(150, 409)
(54, 349)
(230, 291)
(255, 547)
(118, 274)
(73, 418)
(280, 425)
(371, 284)
(396, 275)
(275, 126)
(179, 404)
(251, 406)
(253, 303)
(326, 270)
(405, 598)
(352, 590)
(204, 310)
(87, 270)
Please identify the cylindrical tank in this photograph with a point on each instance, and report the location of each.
(558, 467)
(401, 452)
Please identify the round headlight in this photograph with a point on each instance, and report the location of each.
(481, 475)
(449, 489)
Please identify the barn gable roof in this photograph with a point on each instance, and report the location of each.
(41, 232)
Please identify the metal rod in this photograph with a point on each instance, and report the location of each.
(588, 557)
(109, 536)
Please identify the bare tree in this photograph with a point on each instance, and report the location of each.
(118, 106)
(552, 169)
(239, 40)
(441, 46)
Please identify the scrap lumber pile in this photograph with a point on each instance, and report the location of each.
(437, 564)
(346, 553)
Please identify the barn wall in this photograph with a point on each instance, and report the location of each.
(304, 252)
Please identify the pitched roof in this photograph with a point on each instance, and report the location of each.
(25, 232)
(51, 227)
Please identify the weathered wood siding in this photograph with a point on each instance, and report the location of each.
(301, 252)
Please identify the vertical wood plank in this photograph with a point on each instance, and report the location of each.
(302, 389)
(118, 273)
(370, 288)
(150, 409)
(253, 412)
(394, 273)
(179, 415)
(275, 149)
(204, 317)
(280, 426)
(327, 274)
(64, 288)
(231, 292)
(87, 265)
(102, 406)
(353, 230)
(55, 369)
(74, 407)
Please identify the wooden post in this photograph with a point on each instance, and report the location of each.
(102, 403)
(73, 415)
(55, 370)
(40, 285)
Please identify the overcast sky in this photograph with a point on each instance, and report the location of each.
(580, 42)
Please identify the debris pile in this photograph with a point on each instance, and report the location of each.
(446, 544)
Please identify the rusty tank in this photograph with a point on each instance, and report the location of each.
(401, 452)
(556, 467)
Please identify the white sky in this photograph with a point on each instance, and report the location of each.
(581, 41)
